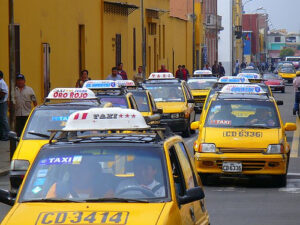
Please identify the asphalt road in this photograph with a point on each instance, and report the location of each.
(247, 201)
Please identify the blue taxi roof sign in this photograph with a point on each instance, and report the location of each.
(252, 76)
(100, 84)
(202, 72)
(71, 94)
(233, 79)
(242, 89)
(103, 119)
(158, 76)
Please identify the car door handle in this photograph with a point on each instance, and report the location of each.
(192, 213)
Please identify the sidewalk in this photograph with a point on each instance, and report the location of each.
(4, 158)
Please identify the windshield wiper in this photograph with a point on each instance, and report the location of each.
(249, 126)
(52, 200)
(116, 200)
(39, 134)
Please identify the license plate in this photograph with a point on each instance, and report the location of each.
(232, 167)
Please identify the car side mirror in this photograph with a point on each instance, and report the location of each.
(159, 111)
(279, 102)
(191, 101)
(13, 136)
(192, 194)
(290, 127)
(6, 198)
(195, 125)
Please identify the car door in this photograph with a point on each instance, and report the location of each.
(185, 161)
(191, 106)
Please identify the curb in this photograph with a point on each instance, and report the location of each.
(293, 175)
(4, 172)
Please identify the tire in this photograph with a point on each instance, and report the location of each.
(204, 178)
(280, 180)
(187, 132)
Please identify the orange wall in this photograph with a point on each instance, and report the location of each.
(181, 8)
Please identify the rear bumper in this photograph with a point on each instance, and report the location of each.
(176, 125)
(253, 163)
(277, 87)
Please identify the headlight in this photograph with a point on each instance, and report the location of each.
(174, 115)
(275, 149)
(208, 148)
(19, 165)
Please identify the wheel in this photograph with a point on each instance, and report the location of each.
(187, 132)
(280, 180)
(204, 178)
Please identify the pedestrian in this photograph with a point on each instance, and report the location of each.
(179, 73)
(296, 84)
(215, 69)
(122, 72)
(207, 67)
(114, 75)
(84, 76)
(4, 127)
(186, 71)
(221, 70)
(138, 78)
(237, 67)
(24, 96)
(243, 65)
(163, 69)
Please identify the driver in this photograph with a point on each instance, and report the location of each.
(144, 177)
(262, 116)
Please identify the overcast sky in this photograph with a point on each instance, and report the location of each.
(284, 14)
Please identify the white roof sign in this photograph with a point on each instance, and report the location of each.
(156, 76)
(242, 89)
(125, 83)
(106, 119)
(71, 93)
(100, 84)
(202, 72)
(249, 75)
(233, 79)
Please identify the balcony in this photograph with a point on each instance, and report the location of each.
(211, 22)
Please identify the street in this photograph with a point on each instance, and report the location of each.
(249, 201)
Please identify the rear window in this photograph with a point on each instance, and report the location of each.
(141, 100)
(116, 101)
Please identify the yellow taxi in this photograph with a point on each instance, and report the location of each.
(90, 176)
(287, 72)
(114, 92)
(200, 88)
(53, 114)
(242, 133)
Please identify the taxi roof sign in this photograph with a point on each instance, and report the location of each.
(252, 76)
(233, 79)
(100, 84)
(202, 72)
(157, 76)
(125, 83)
(103, 119)
(242, 89)
(71, 93)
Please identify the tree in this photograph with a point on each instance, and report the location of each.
(287, 52)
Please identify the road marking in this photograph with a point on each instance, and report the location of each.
(295, 143)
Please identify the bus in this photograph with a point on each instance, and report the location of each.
(294, 59)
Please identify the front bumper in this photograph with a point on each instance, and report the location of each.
(176, 125)
(252, 163)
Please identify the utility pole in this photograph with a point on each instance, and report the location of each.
(12, 72)
(194, 41)
(216, 31)
(143, 39)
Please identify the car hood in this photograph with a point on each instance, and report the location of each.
(172, 107)
(69, 213)
(241, 138)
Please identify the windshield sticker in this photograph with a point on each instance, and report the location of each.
(242, 134)
(60, 118)
(62, 160)
(221, 122)
(42, 173)
(83, 217)
(39, 182)
(36, 190)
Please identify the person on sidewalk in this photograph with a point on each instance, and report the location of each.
(84, 76)
(237, 67)
(215, 69)
(4, 127)
(179, 73)
(122, 72)
(296, 84)
(114, 74)
(207, 67)
(24, 96)
(163, 69)
(186, 71)
(138, 78)
(221, 70)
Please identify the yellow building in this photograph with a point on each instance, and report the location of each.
(55, 40)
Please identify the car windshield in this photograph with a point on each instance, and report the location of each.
(43, 120)
(116, 101)
(166, 92)
(201, 84)
(141, 100)
(97, 174)
(242, 113)
(289, 69)
(271, 77)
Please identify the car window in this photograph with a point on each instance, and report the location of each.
(142, 101)
(79, 173)
(116, 101)
(201, 84)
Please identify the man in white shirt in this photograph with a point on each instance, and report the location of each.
(4, 127)
(24, 97)
(114, 75)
